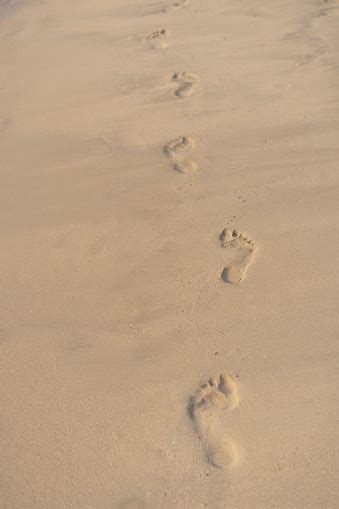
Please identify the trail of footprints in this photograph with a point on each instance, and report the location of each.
(220, 393)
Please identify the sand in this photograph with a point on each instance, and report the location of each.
(169, 251)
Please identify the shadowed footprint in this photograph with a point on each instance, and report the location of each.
(158, 39)
(187, 83)
(236, 271)
(173, 149)
(178, 4)
(218, 394)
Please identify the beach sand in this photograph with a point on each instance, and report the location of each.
(153, 354)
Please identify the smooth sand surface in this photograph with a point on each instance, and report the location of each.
(153, 354)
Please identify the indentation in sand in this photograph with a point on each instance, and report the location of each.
(158, 39)
(178, 4)
(218, 394)
(186, 83)
(173, 151)
(236, 271)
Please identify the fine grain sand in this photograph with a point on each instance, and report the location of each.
(153, 354)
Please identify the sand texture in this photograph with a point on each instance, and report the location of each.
(169, 254)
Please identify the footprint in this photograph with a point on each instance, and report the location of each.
(173, 149)
(219, 393)
(179, 145)
(236, 271)
(158, 38)
(179, 4)
(187, 83)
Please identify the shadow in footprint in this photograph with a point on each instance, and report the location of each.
(186, 83)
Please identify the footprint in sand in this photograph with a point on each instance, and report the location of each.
(219, 393)
(173, 150)
(236, 271)
(186, 83)
(158, 39)
(179, 4)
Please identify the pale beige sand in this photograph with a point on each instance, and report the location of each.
(113, 305)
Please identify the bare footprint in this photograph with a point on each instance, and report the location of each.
(178, 4)
(219, 393)
(158, 38)
(173, 149)
(236, 271)
(179, 144)
(187, 83)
